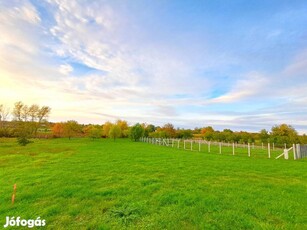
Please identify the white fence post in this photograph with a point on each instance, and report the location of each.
(286, 155)
(298, 151)
(178, 144)
(294, 152)
(269, 150)
(220, 144)
(233, 148)
(198, 146)
(183, 144)
(191, 145)
(249, 149)
(209, 146)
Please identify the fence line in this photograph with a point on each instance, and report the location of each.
(249, 149)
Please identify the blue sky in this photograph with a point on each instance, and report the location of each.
(229, 64)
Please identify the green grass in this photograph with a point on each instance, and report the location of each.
(102, 184)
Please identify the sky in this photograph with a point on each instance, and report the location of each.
(228, 64)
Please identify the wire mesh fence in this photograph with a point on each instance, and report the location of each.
(301, 151)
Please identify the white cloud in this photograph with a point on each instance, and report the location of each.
(65, 69)
(18, 27)
(248, 86)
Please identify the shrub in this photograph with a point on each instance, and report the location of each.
(23, 140)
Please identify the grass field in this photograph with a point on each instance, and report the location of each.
(102, 184)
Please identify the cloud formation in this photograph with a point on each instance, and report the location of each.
(98, 61)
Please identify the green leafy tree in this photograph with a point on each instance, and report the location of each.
(148, 129)
(114, 132)
(184, 133)
(264, 135)
(136, 132)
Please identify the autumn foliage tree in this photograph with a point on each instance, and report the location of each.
(114, 132)
(71, 129)
(94, 132)
(169, 130)
(207, 132)
(123, 125)
(58, 129)
(28, 119)
(106, 128)
(284, 133)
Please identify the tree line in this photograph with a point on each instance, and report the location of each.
(25, 121)
(279, 134)
(30, 121)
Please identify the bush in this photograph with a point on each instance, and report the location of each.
(23, 141)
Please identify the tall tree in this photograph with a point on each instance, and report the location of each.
(33, 112)
(4, 113)
(17, 111)
(43, 113)
(25, 113)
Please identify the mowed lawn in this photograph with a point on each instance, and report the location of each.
(106, 184)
